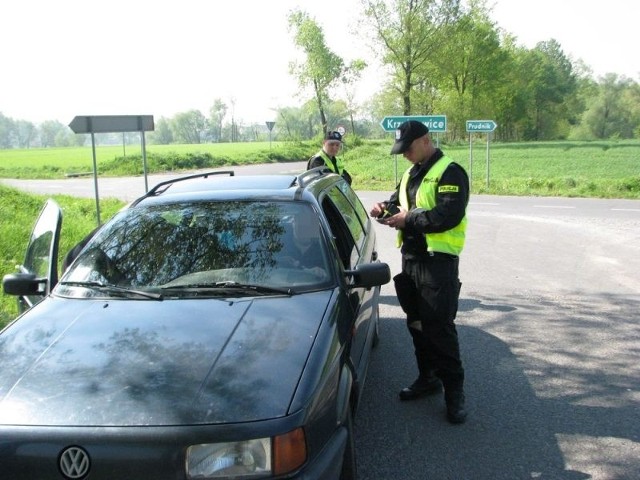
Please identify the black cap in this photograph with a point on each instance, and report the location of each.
(333, 136)
(406, 134)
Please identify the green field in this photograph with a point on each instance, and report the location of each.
(577, 169)
(604, 169)
(60, 162)
(18, 212)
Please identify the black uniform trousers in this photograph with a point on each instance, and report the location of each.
(428, 290)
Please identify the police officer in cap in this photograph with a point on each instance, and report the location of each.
(431, 221)
(327, 156)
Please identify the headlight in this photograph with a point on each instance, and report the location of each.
(249, 458)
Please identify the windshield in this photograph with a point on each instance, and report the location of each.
(180, 249)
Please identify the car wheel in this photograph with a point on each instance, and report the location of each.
(349, 459)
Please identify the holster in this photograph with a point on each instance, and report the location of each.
(407, 294)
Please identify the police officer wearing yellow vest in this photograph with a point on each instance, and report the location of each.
(327, 156)
(430, 202)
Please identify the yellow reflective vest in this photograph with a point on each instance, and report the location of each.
(450, 241)
(329, 163)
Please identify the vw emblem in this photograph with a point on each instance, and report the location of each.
(74, 463)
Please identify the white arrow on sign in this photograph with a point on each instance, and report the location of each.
(481, 125)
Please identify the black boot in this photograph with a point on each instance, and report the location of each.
(424, 385)
(456, 412)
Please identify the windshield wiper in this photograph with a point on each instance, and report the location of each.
(234, 286)
(105, 287)
(257, 288)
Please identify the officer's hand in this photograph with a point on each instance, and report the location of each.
(377, 209)
(398, 221)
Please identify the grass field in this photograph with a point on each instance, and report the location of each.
(60, 162)
(605, 169)
(19, 211)
(578, 169)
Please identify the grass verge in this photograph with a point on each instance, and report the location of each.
(19, 211)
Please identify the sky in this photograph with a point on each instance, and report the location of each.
(65, 58)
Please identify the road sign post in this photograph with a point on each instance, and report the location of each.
(486, 126)
(270, 126)
(481, 126)
(113, 124)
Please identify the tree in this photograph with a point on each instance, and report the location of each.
(7, 131)
(79, 140)
(217, 112)
(633, 96)
(232, 127)
(469, 63)
(49, 131)
(26, 133)
(550, 82)
(321, 68)
(66, 138)
(509, 103)
(188, 127)
(162, 134)
(406, 31)
(611, 112)
(287, 123)
(350, 76)
(338, 113)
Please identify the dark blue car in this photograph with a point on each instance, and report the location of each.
(219, 327)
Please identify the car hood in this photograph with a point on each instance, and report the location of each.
(119, 363)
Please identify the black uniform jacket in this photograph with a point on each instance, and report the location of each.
(318, 161)
(449, 210)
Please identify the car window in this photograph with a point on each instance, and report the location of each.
(348, 192)
(42, 253)
(343, 222)
(348, 213)
(42, 250)
(37, 258)
(279, 244)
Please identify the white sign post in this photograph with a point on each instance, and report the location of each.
(113, 124)
(486, 126)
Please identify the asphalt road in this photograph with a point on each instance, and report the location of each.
(549, 333)
(550, 339)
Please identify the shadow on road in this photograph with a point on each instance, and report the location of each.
(513, 432)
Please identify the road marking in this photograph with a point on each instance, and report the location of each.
(493, 204)
(553, 206)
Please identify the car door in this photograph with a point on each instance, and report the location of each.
(41, 258)
(356, 245)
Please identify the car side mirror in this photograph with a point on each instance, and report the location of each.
(369, 275)
(23, 284)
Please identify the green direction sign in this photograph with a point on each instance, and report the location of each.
(435, 123)
(481, 125)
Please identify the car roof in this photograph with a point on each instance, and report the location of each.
(225, 185)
